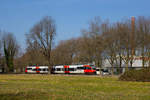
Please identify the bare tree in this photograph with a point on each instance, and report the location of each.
(122, 43)
(65, 52)
(111, 46)
(93, 41)
(10, 47)
(125, 28)
(41, 36)
(97, 28)
(143, 32)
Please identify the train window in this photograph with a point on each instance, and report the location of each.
(71, 69)
(44, 69)
(80, 68)
(58, 69)
(93, 67)
(29, 68)
(88, 68)
(38, 69)
(33, 69)
(66, 69)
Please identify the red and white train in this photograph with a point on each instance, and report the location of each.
(63, 69)
(74, 69)
(37, 69)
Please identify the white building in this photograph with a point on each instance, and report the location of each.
(137, 64)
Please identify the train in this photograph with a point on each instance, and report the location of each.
(74, 69)
(37, 69)
(62, 69)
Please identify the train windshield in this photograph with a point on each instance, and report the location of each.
(93, 67)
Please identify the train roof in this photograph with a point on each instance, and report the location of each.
(38, 66)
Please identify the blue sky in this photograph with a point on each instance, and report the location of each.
(19, 16)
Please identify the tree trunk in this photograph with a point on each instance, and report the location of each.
(120, 64)
(127, 66)
(112, 70)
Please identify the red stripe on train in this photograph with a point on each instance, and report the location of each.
(66, 69)
(37, 69)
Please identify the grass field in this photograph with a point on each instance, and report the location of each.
(61, 87)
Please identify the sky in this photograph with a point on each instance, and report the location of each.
(19, 16)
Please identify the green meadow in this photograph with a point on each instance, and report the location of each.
(70, 87)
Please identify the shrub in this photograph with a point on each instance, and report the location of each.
(136, 75)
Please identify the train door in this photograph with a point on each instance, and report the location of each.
(66, 69)
(38, 69)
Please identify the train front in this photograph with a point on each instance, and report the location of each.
(89, 69)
